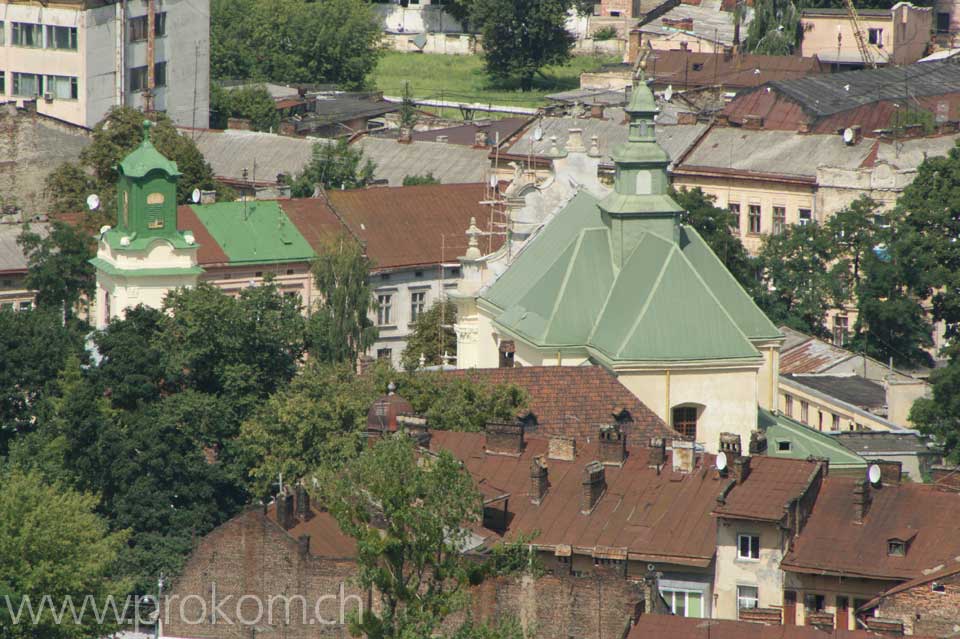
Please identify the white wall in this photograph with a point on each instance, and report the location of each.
(731, 571)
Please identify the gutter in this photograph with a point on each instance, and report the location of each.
(704, 171)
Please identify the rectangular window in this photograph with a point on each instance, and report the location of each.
(27, 85)
(748, 547)
(779, 219)
(138, 27)
(62, 87)
(3, 32)
(138, 76)
(61, 38)
(784, 446)
(747, 597)
(418, 304)
(841, 326)
(685, 421)
(26, 306)
(735, 211)
(804, 411)
(160, 74)
(754, 218)
(806, 216)
(788, 405)
(384, 310)
(875, 37)
(26, 34)
(385, 353)
(684, 603)
(813, 602)
(836, 422)
(943, 22)
(3, 82)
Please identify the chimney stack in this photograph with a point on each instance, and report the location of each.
(538, 480)
(741, 469)
(208, 197)
(758, 443)
(302, 500)
(683, 456)
(405, 135)
(613, 446)
(633, 46)
(594, 484)
(596, 111)
(562, 448)
(303, 541)
(575, 141)
(504, 439)
(285, 515)
(731, 447)
(861, 501)
(658, 452)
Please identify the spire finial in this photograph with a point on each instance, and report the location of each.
(147, 125)
(473, 244)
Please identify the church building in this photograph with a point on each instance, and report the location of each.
(619, 280)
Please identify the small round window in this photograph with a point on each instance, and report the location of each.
(155, 198)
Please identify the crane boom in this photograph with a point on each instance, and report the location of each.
(865, 53)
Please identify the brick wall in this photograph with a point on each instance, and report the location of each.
(31, 146)
(624, 7)
(924, 609)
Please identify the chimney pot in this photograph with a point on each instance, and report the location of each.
(538, 480)
(758, 443)
(613, 446)
(596, 111)
(504, 439)
(741, 469)
(594, 484)
(658, 452)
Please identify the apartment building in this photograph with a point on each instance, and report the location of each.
(79, 58)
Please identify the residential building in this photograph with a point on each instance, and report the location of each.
(788, 438)
(14, 295)
(79, 58)
(32, 145)
(899, 35)
(946, 22)
(598, 283)
(679, 628)
(916, 454)
(927, 605)
(702, 27)
(410, 233)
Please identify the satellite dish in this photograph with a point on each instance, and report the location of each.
(873, 474)
(721, 461)
(493, 181)
(93, 202)
(195, 196)
(538, 133)
(668, 94)
(848, 136)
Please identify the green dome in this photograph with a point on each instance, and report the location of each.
(146, 158)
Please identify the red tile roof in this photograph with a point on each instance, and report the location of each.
(658, 626)
(773, 483)
(210, 252)
(662, 517)
(832, 543)
(326, 538)
(575, 401)
(811, 356)
(689, 68)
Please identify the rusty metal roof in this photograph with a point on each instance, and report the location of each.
(772, 484)
(805, 354)
(326, 538)
(833, 543)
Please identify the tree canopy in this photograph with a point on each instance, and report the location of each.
(432, 337)
(58, 266)
(334, 165)
(775, 28)
(251, 102)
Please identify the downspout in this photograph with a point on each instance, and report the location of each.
(151, 54)
(667, 411)
(121, 12)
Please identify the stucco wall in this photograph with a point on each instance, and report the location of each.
(763, 573)
(818, 406)
(831, 587)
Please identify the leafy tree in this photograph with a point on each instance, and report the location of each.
(775, 28)
(334, 166)
(522, 37)
(432, 336)
(716, 227)
(409, 534)
(53, 544)
(408, 110)
(251, 102)
(802, 280)
(333, 41)
(460, 403)
(340, 329)
(417, 180)
(121, 131)
(133, 366)
(939, 416)
(58, 266)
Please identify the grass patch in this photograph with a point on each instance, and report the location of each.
(462, 78)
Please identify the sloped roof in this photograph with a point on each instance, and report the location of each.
(832, 543)
(12, 258)
(655, 516)
(466, 134)
(254, 232)
(804, 442)
(326, 538)
(564, 291)
(230, 152)
(803, 353)
(875, 442)
(709, 22)
(208, 251)
(684, 69)
(690, 628)
(929, 575)
(860, 392)
(575, 401)
(146, 158)
(449, 163)
(772, 483)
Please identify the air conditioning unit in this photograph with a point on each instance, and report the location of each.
(48, 96)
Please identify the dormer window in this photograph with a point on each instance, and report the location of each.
(896, 548)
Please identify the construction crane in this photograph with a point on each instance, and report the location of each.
(865, 53)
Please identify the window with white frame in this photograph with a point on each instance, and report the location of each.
(62, 87)
(875, 36)
(747, 597)
(27, 85)
(418, 304)
(753, 218)
(26, 34)
(384, 309)
(748, 546)
(779, 219)
(806, 216)
(684, 603)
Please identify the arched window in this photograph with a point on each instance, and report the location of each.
(685, 419)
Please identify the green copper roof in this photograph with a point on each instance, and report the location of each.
(804, 441)
(146, 158)
(254, 232)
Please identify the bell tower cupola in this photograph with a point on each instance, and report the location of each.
(147, 193)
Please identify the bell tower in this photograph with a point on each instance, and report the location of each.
(145, 255)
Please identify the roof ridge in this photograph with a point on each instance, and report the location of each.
(563, 284)
(653, 290)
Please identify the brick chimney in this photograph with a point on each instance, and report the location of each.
(861, 501)
(562, 448)
(504, 439)
(891, 472)
(731, 447)
(758, 443)
(593, 485)
(596, 111)
(658, 452)
(480, 139)
(684, 456)
(405, 136)
(538, 480)
(633, 46)
(302, 501)
(286, 516)
(740, 469)
(613, 446)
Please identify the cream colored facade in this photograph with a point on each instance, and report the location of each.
(734, 572)
(899, 37)
(855, 591)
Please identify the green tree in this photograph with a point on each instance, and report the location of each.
(53, 544)
(340, 329)
(58, 266)
(251, 102)
(522, 37)
(775, 28)
(334, 165)
(417, 180)
(409, 534)
(408, 110)
(939, 416)
(294, 41)
(460, 403)
(716, 227)
(133, 366)
(432, 337)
